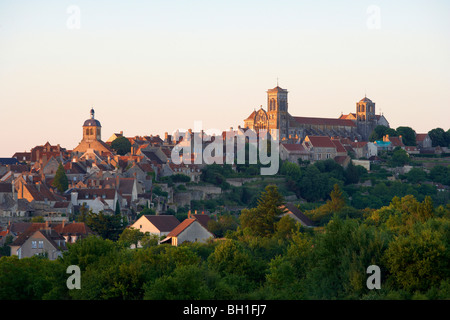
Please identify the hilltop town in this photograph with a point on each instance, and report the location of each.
(134, 177)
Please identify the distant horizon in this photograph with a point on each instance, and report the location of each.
(151, 68)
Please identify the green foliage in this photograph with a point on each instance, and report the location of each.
(266, 257)
(223, 224)
(60, 181)
(260, 221)
(408, 136)
(121, 145)
(106, 226)
(440, 174)
(439, 137)
(416, 175)
(399, 158)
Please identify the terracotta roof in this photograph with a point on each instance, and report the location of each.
(358, 144)
(164, 223)
(181, 227)
(293, 147)
(339, 146)
(421, 136)
(251, 116)
(396, 142)
(325, 121)
(72, 228)
(321, 142)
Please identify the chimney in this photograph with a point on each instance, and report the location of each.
(63, 223)
(189, 214)
(121, 132)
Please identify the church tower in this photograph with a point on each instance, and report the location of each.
(277, 111)
(365, 117)
(365, 110)
(92, 129)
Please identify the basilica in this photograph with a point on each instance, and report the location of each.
(355, 126)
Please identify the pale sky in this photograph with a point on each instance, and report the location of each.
(159, 66)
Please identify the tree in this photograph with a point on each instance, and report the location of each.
(416, 175)
(131, 236)
(37, 219)
(418, 260)
(260, 221)
(121, 145)
(337, 201)
(439, 137)
(106, 226)
(399, 158)
(378, 133)
(408, 136)
(60, 181)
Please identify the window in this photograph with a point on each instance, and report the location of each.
(33, 244)
(41, 244)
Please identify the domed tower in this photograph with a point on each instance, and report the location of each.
(92, 129)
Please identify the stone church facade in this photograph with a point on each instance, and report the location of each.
(355, 126)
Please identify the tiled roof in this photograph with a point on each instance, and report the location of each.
(396, 142)
(164, 223)
(358, 144)
(181, 227)
(72, 228)
(325, 121)
(291, 208)
(421, 136)
(251, 116)
(293, 147)
(202, 218)
(94, 193)
(339, 146)
(321, 142)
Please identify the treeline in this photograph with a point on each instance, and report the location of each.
(267, 256)
(439, 137)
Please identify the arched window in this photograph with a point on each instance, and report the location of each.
(87, 131)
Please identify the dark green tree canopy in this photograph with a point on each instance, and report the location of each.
(408, 135)
(439, 137)
(121, 145)
(60, 182)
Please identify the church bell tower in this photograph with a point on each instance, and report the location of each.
(277, 106)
